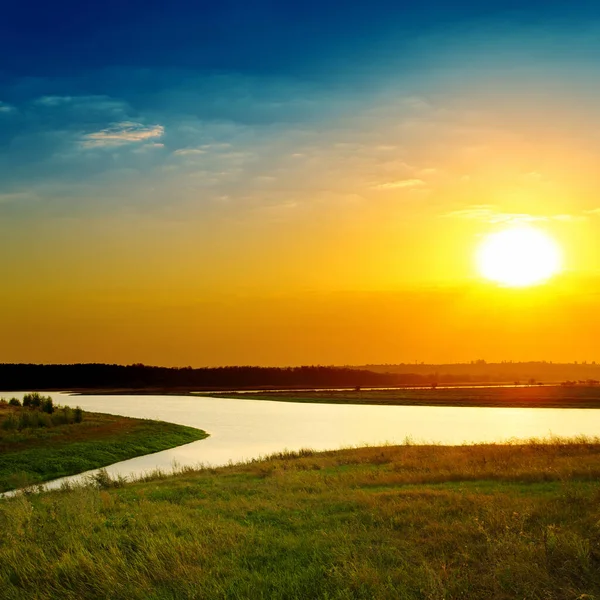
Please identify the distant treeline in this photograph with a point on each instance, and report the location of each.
(138, 376)
(101, 376)
(480, 371)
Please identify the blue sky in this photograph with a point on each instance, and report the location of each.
(190, 109)
(96, 98)
(253, 37)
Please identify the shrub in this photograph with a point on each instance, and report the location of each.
(27, 419)
(44, 415)
(34, 400)
(47, 405)
(44, 420)
(104, 481)
(10, 423)
(62, 416)
(32, 419)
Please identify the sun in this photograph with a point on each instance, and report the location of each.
(519, 257)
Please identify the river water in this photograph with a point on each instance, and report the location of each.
(243, 429)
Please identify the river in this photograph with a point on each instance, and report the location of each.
(243, 429)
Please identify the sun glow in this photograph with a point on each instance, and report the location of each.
(519, 257)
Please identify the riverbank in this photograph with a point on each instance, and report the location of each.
(486, 521)
(32, 456)
(490, 395)
(547, 396)
(187, 391)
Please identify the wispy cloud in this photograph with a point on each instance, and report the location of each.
(55, 100)
(401, 183)
(189, 152)
(118, 134)
(98, 100)
(6, 108)
(490, 214)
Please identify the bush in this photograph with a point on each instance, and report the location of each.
(35, 400)
(47, 405)
(28, 419)
(44, 420)
(10, 423)
(104, 481)
(44, 415)
(63, 416)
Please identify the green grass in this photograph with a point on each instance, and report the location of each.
(522, 397)
(35, 455)
(407, 522)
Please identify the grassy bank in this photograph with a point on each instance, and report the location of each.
(513, 397)
(489, 521)
(34, 454)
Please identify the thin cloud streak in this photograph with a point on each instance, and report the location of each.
(118, 134)
(490, 214)
(401, 184)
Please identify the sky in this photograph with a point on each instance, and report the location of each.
(275, 183)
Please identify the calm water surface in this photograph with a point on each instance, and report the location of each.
(245, 429)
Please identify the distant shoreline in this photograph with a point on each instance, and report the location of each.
(472, 395)
(548, 396)
(139, 378)
(192, 391)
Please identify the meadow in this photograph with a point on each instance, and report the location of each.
(43, 442)
(398, 522)
(534, 396)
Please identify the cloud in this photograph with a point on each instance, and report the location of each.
(189, 151)
(149, 146)
(55, 100)
(401, 183)
(6, 108)
(98, 100)
(87, 108)
(490, 214)
(118, 134)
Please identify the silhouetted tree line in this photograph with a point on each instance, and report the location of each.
(480, 371)
(99, 376)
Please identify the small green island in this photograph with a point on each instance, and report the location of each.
(40, 441)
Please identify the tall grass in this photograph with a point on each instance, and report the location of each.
(404, 522)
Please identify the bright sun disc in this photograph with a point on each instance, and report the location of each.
(519, 257)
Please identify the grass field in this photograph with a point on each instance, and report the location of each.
(514, 397)
(34, 455)
(404, 522)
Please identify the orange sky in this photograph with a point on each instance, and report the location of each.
(345, 237)
(394, 292)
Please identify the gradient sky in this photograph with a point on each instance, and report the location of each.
(270, 183)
